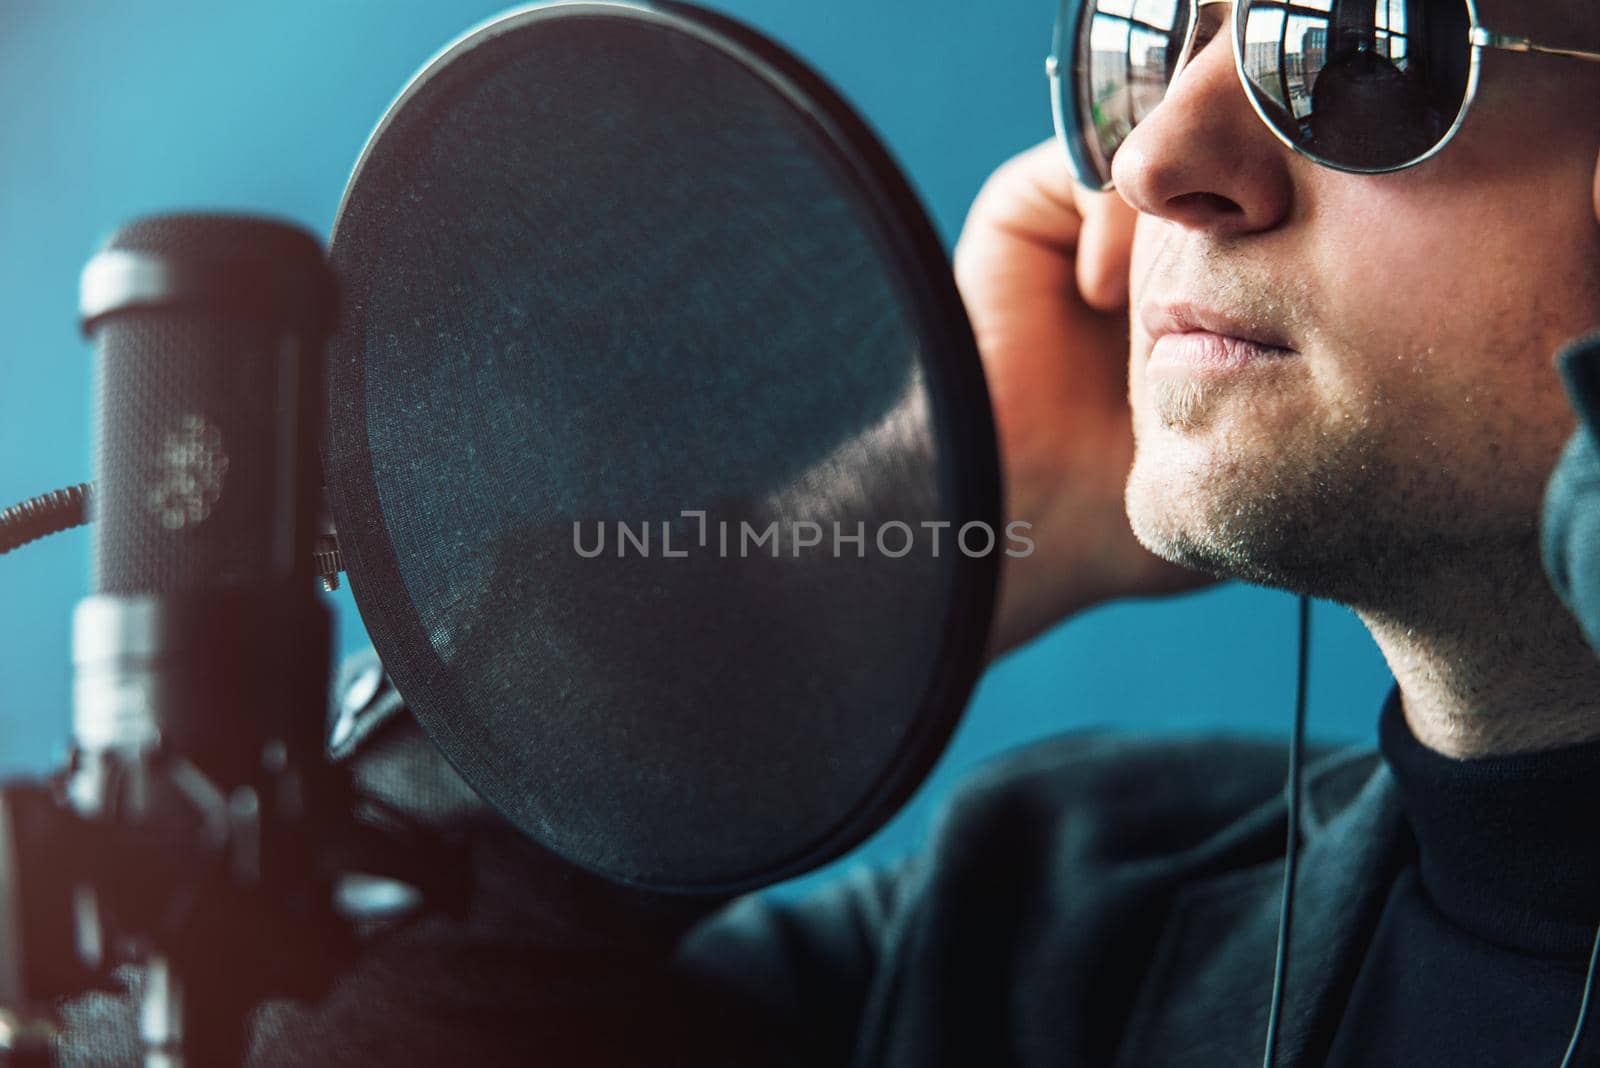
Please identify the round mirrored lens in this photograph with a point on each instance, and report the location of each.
(1365, 85)
(1126, 53)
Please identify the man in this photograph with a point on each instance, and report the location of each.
(1341, 385)
(1390, 454)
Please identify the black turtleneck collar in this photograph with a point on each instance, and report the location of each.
(1509, 847)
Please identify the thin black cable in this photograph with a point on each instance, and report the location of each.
(1291, 859)
(1583, 1007)
(47, 514)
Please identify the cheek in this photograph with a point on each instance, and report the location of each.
(1148, 236)
(1397, 274)
(1491, 245)
(1157, 247)
(1443, 340)
(1147, 241)
(1473, 283)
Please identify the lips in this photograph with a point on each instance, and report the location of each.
(1193, 336)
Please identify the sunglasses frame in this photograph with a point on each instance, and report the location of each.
(1094, 172)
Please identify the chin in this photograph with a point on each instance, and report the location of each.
(1161, 499)
(1230, 516)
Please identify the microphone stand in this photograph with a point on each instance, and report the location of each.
(213, 849)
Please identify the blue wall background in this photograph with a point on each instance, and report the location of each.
(108, 111)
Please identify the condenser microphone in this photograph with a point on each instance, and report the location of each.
(208, 334)
(201, 655)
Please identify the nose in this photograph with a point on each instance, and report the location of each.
(1202, 158)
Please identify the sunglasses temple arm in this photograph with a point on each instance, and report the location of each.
(1510, 42)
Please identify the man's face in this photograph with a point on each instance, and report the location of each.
(1401, 411)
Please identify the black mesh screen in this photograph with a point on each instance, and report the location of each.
(601, 272)
(202, 403)
(184, 503)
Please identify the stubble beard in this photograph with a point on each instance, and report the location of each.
(1179, 406)
(1319, 511)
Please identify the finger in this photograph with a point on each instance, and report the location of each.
(1028, 198)
(1105, 250)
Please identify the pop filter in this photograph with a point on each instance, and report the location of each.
(655, 418)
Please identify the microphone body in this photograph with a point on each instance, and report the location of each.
(208, 333)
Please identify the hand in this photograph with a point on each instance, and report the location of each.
(1042, 267)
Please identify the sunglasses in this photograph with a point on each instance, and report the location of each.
(1365, 86)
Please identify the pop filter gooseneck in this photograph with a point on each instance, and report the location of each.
(659, 448)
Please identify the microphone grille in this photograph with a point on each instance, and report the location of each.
(210, 238)
(208, 334)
